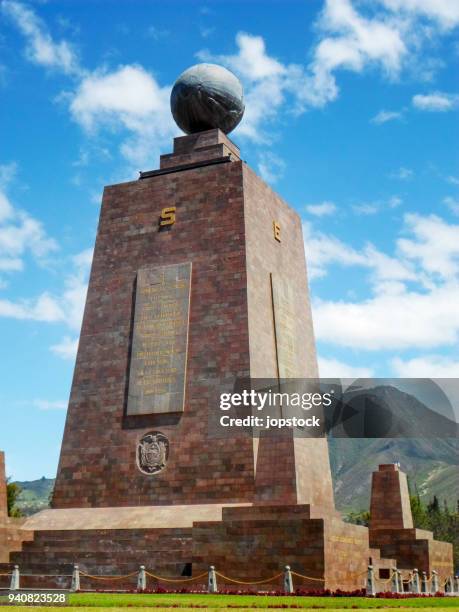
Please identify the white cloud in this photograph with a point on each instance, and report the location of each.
(157, 33)
(403, 174)
(49, 405)
(7, 174)
(96, 197)
(11, 264)
(41, 48)
(454, 180)
(395, 201)
(384, 116)
(426, 366)
(389, 37)
(20, 233)
(436, 101)
(129, 98)
(452, 204)
(129, 92)
(271, 167)
(252, 61)
(323, 250)
(386, 268)
(365, 209)
(65, 308)
(43, 308)
(321, 210)
(265, 79)
(333, 368)
(445, 12)
(125, 99)
(400, 321)
(67, 348)
(6, 209)
(434, 245)
(76, 286)
(395, 316)
(347, 41)
(357, 41)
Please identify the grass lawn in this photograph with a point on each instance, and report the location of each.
(159, 608)
(99, 601)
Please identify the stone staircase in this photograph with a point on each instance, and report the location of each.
(48, 559)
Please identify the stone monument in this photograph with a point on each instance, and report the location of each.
(198, 280)
(392, 530)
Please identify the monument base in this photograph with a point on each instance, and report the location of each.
(245, 543)
(249, 544)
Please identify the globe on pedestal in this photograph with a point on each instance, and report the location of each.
(207, 96)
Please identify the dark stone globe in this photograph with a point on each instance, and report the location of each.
(207, 96)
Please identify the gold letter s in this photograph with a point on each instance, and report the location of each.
(167, 216)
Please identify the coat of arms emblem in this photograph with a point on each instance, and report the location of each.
(152, 452)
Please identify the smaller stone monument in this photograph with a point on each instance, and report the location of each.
(391, 526)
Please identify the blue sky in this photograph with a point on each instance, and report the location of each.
(351, 115)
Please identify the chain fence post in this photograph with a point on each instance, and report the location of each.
(394, 581)
(401, 588)
(415, 582)
(75, 579)
(434, 582)
(212, 580)
(424, 585)
(288, 581)
(15, 579)
(371, 590)
(141, 579)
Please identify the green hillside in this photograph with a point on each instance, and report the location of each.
(432, 467)
(35, 495)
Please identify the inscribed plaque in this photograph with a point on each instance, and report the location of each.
(160, 339)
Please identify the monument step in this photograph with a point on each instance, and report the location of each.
(95, 557)
(146, 533)
(109, 545)
(113, 566)
(270, 512)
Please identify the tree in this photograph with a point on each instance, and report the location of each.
(362, 517)
(12, 493)
(443, 522)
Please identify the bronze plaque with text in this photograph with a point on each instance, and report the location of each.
(160, 339)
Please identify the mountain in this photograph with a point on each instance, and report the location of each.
(424, 442)
(35, 495)
(431, 466)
